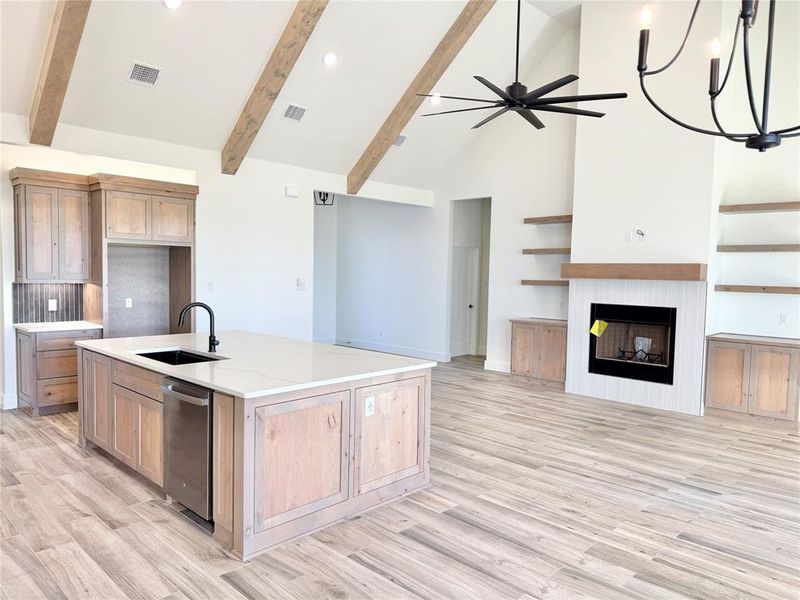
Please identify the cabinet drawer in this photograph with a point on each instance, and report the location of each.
(56, 363)
(63, 390)
(64, 340)
(136, 379)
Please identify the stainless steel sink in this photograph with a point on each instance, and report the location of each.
(178, 357)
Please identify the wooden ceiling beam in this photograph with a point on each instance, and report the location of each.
(460, 31)
(281, 62)
(59, 57)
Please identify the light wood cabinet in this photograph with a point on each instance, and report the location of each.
(47, 370)
(389, 422)
(134, 216)
(51, 234)
(301, 450)
(753, 375)
(173, 219)
(96, 410)
(128, 215)
(120, 414)
(539, 350)
(124, 410)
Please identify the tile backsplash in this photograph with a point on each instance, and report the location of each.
(31, 302)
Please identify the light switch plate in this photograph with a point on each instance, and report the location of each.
(291, 191)
(128, 302)
(52, 304)
(369, 406)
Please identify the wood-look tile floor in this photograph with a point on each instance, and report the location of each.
(535, 494)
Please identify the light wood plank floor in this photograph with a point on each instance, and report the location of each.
(535, 494)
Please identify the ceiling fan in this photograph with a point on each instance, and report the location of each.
(518, 99)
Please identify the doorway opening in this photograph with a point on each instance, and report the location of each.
(469, 276)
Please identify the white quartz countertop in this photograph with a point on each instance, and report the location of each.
(256, 364)
(56, 326)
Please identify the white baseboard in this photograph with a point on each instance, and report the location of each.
(392, 349)
(497, 365)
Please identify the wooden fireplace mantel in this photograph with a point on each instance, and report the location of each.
(659, 271)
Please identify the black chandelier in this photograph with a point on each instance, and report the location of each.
(762, 138)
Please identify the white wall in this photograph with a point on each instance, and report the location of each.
(325, 249)
(526, 172)
(252, 242)
(385, 276)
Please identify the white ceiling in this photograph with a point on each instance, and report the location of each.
(212, 52)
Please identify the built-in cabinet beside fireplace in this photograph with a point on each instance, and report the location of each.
(753, 375)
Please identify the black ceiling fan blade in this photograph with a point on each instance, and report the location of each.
(583, 98)
(546, 89)
(456, 98)
(530, 118)
(569, 111)
(500, 92)
(491, 116)
(447, 112)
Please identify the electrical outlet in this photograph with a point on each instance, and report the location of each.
(628, 237)
(300, 285)
(369, 406)
(210, 286)
(380, 334)
(783, 318)
(128, 302)
(52, 304)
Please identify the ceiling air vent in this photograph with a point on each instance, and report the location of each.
(399, 141)
(294, 112)
(143, 74)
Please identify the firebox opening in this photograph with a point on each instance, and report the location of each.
(638, 343)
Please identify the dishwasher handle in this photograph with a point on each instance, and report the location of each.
(184, 393)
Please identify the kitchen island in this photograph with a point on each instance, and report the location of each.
(303, 434)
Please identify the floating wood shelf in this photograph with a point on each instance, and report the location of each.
(548, 220)
(758, 289)
(758, 248)
(743, 209)
(651, 271)
(556, 282)
(546, 250)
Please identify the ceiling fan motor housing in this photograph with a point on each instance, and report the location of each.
(517, 90)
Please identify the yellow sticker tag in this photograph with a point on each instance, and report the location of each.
(598, 328)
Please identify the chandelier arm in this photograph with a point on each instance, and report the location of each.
(788, 135)
(678, 53)
(786, 130)
(749, 79)
(732, 56)
(768, 66)
(730, 136)
(676, 121)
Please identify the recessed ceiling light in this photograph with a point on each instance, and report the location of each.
(173, 4)
(436, 99)
(330, 58)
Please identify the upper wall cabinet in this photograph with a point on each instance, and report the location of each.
(132, 216)
(51, 234)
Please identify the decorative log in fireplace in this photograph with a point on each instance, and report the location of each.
(638, 343)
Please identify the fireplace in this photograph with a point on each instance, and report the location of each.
(638, 342)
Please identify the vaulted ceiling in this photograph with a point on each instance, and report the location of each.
(212, 53)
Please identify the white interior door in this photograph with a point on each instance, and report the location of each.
(464, 301)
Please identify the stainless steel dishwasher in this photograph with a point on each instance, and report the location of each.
(187, 445)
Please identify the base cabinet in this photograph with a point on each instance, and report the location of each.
(125, 422)
(539, 350)
(47, 370)
(752, 378)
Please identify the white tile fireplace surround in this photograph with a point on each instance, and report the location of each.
(688, 297)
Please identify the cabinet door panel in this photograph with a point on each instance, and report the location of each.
(773, 382)
(97, 371)
(727, 376)
(41, 233)
(125, 406)
(388, 433)
(73, 235)
(523, 343)
(150, 453)
(173, 219)
(301, 450)
(128, 216)
(551, 354)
